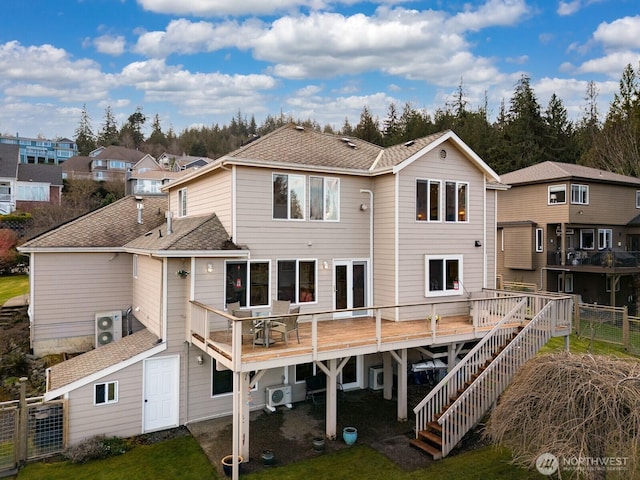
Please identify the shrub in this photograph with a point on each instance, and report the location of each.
(97, 447)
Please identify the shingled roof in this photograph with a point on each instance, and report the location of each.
(111, 226)
(94, 361)
(556, 171)
(304, 146)
(187, 234)
(9, 157)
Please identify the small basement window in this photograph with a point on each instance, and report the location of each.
(104, 393)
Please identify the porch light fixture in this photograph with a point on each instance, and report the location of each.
(364, 207)
(200, 359)
(478, 243)
(325, 265)
(209, 267)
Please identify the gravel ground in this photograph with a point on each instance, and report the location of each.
(289, 433)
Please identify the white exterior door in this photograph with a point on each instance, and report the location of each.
(350, 286)
(161, 392)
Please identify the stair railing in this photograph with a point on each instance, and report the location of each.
(476, 400)
(448, 387)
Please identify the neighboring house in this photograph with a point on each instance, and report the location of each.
(9, 159)
(330, 224)
(25, 186)
(38, 185)
(169, 161)
(39, 150)
(573, 229)
(147, 177)
(110, 163)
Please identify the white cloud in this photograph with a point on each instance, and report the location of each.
(110, 45)
(569, 8)
(490, 14)
(619, 34)
(217, 8)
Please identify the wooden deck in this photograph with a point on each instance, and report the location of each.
(349, 336)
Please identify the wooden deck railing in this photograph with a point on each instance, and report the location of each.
(549, 316)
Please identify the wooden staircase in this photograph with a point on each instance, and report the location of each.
(472, 387)
(429, 440)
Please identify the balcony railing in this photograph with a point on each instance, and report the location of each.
(596, 258)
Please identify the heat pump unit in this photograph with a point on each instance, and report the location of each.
(376, 378)
(278, 395)
(108, 327)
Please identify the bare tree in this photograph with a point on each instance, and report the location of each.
(574, 407)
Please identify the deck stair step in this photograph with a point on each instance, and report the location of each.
(426, 448)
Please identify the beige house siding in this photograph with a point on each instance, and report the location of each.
(123, 418)
(57, 327)
(519, 247)
(491, 240)
(384, 242)
(206, 195)
(147, 294)
(420, 238)
(273, 240)
(529, 202)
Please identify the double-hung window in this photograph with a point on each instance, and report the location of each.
(182, 202)
(104, 393)
(428, 200)
(288, 196)
(456, 200)
(605, 238)
(248, 283)
(324, 198)
(297, 280)
(579, 194)
(443, 275)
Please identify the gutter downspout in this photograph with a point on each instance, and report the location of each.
(370, 280)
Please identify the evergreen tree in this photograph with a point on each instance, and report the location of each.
(108, 135)
(157, 141)
(131, 132)
(368, 128)
(560, 144)
(84, 136)
(588, 127)
(391, 131)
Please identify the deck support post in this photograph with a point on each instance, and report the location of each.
(452, 354)
(387, 376)
(401, 358)
(331, 370)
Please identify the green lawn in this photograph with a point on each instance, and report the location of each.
(12, 286)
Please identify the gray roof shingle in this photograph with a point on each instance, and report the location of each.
(29, 172)
(554, 171)
(94, 361)
(9, 158)
(111, 226)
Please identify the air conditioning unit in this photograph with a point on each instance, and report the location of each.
(108, 327)
(376, 378)
(278, 395)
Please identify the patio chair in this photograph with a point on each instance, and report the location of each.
(249, 328)
(285, 325)
(280, 307)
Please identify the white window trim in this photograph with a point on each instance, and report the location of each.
(594, 239)
(568, 283)
(135, 266)
(429, 182)
(558, 188)
(304, 201)
(637, 198)
(248, 287)
(457, 205)
(539, 240)
(605, 235)
(107, 401)
(444, 292)
(580, 189)
(324, 199)
(297, 280)
(182, 202)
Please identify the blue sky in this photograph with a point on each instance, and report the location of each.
(199, 62)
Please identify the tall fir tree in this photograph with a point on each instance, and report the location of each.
(84, 137)
(109, 134)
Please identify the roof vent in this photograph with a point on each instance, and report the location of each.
(409, 143)
(299, 127)
(345, 139)
(352, 145)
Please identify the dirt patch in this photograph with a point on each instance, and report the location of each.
(289, 433)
